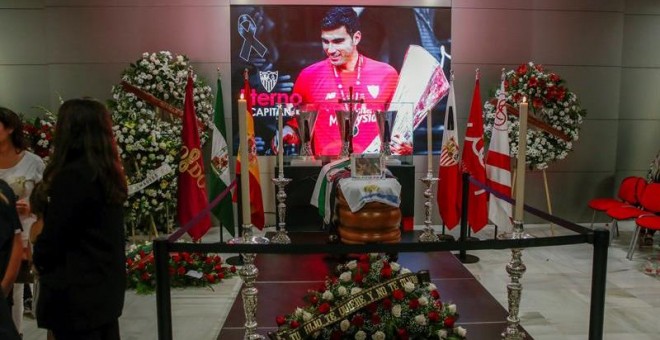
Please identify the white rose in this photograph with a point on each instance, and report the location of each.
(409, 287)
(373, 256)
(432, 287)
(396, 311)
(395, 266)
(420, 320)
(460, 331)
(306, 316)
(345, 277)
(344, 325)
(442, 334)
(378, 336)
(360, 335)
(423, 301)
(355, 290)
(405, 270)
(299, 312)
(341, 291)
(352, 264)
(451, 308)
(327, 295)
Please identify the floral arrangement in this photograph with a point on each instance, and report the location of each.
(185, 269)
(373, 298)
(551, 102)
(39, 134)
(149, 139)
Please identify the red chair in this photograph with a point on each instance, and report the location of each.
(628, 211)
(630, 191)
(650, 219)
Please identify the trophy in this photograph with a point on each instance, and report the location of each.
(345, 122)
(306, 119)
(385, 120)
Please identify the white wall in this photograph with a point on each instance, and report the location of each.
(607, 50)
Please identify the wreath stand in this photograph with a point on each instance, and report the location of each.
(547, 195)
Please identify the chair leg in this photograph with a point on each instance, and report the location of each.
(633, 243)
(593, 218)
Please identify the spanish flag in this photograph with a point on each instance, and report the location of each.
(256, 201)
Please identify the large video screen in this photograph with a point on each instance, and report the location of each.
(359, 59)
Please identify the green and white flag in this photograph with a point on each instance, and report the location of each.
(321, 194)
(220, 178)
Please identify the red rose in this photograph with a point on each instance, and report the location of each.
(221, 276)
(363, 258)
(217, 259)
(434, 316)
(449, 321)
(314, 299)
(141, 252)
(386, 272)
(539, 67)
(280, 320)
(294, 324)
(324, 308)
(402, 334)
(554, 78)
(129, 262)
(181, 271)
(322, 289)
(387, 304)
(145, 276)
(232, 269)
(413, 304)
(516, 97)
(218, 268)
(398, 294)
(357, 278)
(141, 266)
(522, 70)
(358, 321)
(210, 278)
(185, 256)
(364, 267)
(176, 257)
(435, 294)
(208, 260)
(375, 319)
(537, 103)
(561, 93)
(533, 82)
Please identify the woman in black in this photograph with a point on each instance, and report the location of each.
(11, 251)
(80, 253)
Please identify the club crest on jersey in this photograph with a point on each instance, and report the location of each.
(374, 90)
(331, 95)
(268, 79)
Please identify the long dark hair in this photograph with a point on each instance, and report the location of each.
(12, 121)
(84, 129)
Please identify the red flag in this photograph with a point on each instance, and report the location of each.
(449, 183)
(498, 164)
(192, 197)
(256, 201)
(473, 163)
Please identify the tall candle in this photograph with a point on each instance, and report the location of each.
(520, 167)
(280, 147)
(429, 141)
(245, 176)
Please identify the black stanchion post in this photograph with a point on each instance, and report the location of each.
(163, 298)
(598, 276)
(462, 254)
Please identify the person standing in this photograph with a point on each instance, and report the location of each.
(10, 257)
(79, 254)
(21, 169)
(329, 81)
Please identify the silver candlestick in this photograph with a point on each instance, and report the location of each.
(248, 273)
(281, 236)
(516, 268)
(428, 235)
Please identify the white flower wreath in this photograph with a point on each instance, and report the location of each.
(551, 102)
(149, 139)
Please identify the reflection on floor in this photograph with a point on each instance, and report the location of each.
(555, 301)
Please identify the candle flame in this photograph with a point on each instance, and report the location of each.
(524, 99)
(241, 96)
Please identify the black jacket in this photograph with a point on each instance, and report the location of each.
(80, 254)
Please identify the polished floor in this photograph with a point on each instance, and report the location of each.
(555, 302)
